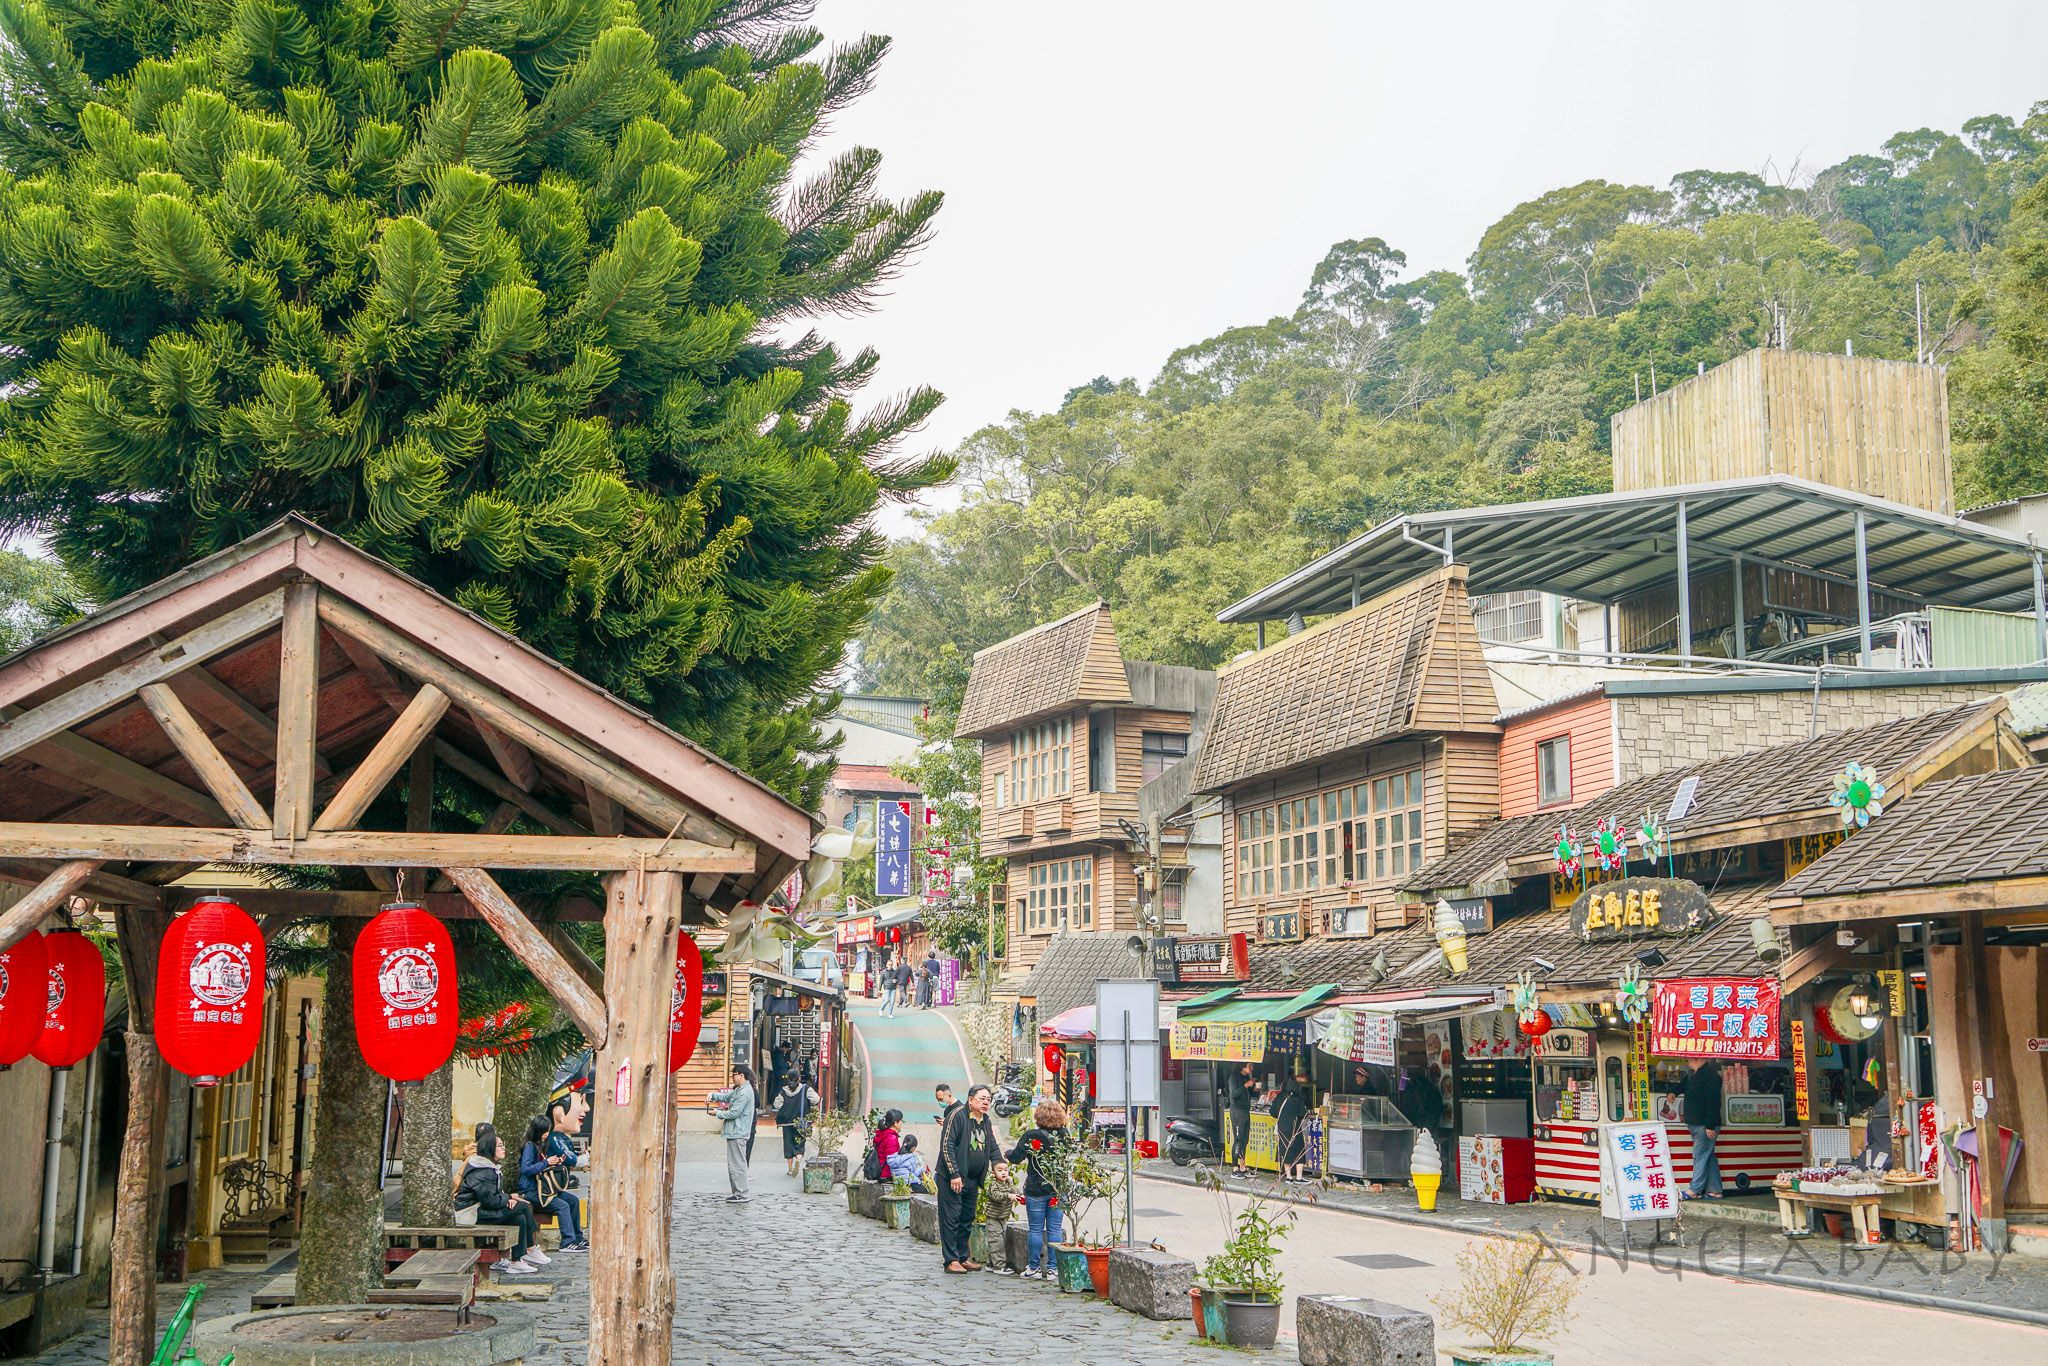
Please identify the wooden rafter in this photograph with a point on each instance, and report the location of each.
(298, 712)
(541, 957)
(607, 816)
(17, 920)
(102, 885)
(368, 849)
(388, 689)
(88, 699)
(385, 758)
(96, 766)
(239, 719)
(498, 787)
(205, 757)
(296, 904)
(513, 759)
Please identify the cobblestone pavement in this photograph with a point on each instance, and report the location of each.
(1739, 1238)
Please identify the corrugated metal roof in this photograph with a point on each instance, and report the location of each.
(1610, 545)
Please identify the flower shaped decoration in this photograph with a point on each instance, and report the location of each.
(1650, 836)
(1036, 1145)
(1633, 999)
(1859, 794)
(1609, 849)
(1567, 851)
(1524, 997)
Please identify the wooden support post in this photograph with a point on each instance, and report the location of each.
(383, 761)
(207, 761)
(298, 712)
(607, 817)
(533, 949)
(419, 815)
(632, 1290)
(1973, 988)
(48, 895)
(138, 1191)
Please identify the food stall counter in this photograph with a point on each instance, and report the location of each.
(1568, 1156)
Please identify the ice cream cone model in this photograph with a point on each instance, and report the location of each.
(1450, 935)
(1425, 1169)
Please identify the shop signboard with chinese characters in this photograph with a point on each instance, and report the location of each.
(1639, 1068)
(1362, 1035)
(1640, 908)
(1753, 1110)
(1202, 958)
(892, 849)
(1715, 1017)
(859, 930)
(1221, 1041)
(1567, 1043)
(1636, 1180)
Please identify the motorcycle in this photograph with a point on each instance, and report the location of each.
(1010, 1094)
(1190, 1140)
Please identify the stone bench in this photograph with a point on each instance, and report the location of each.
(924, 1218)
(1016, 1246)
(871, 1193)
(1152, 1283)
(1345, 1330)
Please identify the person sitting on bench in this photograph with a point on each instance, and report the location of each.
(483, 1189)
(545, 1162)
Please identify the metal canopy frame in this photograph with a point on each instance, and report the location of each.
(1608, 546)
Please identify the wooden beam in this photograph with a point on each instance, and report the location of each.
(206, 759)
(53, 891)
(574, 757)
(1973, 988)
(74, 756)
(294, 904)
(632, 1285)
(513, 759)
(367, 849)
(382, 763)
(532, 948)
(367, 663)
(88, 699)
(1810, 962)
(298, 712)
(504, 791)
(607, 816)
(102, 885)
(1912, 903)
(573, 954)
(249, 725)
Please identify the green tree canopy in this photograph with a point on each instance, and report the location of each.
(511, 292)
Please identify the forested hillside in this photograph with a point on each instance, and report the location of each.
(1385, 392)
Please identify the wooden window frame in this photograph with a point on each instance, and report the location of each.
(1042, 761)
(1554, 799)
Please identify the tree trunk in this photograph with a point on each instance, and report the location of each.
(524, 1080)
(341, 1245)
(428, 1200)
(139, 1184)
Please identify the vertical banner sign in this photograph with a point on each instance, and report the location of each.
(1639, 1068)
(1799, 1098)
(892, 850)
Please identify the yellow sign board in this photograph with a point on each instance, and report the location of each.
(1220, 1041)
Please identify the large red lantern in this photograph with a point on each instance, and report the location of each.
(209, 991)
(685, 1002)
(1536, 1023)
(24, 997)
(406, 999)
(77, 1004)
(1055, 1058)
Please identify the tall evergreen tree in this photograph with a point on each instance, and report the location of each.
(507, 291)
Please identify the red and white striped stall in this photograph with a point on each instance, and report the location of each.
(1568, 1157)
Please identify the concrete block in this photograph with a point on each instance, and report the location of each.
(1154, 1284)
(871, 1199)
(924, 1218)
(1016, 1246)
(1343, 1330)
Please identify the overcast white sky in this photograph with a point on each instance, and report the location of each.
(1126, 177)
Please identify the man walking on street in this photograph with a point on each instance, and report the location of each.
(968, 1152)
(734, 1109)
(889, 988)
(1703, 1117)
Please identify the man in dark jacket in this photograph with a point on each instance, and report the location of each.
(1703, 1117)
(1242, 1089)
(968, 1152)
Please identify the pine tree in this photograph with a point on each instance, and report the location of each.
(507, 291)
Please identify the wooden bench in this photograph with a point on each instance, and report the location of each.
(433, 1276)
(490, 1241)
(1862, 1210)
(278, 1293)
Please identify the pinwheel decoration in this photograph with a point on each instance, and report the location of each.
(1568, 852)
(1859, 795)
(1524, 996)
(1609, 848)
(1651, 837)
(1633, 999)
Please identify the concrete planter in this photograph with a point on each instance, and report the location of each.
(896, 1211)
(924, 1218)
(817, 1177)
(1479, 1356)
(853, 1196)
(1072, 1262)
(1343, 1330)
(504, 1343)
(1154, 1284)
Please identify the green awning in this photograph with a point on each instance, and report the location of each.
(1208, 998)
(1270, 1010)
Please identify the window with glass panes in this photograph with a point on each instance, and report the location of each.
(1041, 763)
(1255, 863)
(1396, 824)
(237, 1103)
(1062, 894)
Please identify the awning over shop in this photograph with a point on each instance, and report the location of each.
(1079, 1023)
(1267, 1008)
(797, 985)
(1238, 1030)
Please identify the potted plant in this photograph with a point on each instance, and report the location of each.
(827, 1131)
(1245, 1275)
(1090, 1186)
(896, 1204)
(1509, 1289)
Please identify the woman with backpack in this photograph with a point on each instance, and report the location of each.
(793, 1106)
(483, 1190)
(887, 1142)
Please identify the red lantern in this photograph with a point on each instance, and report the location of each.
(1536, 1024)
(209, 991)
(407, 1002)
(685, 1002)
(24, 997)
(1055, 1059)
(77, 1005)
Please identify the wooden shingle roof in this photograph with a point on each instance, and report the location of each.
(1409, 661)
(1982, 828)
(1046, 669)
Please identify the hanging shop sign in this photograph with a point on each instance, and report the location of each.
(1801, 1105)
(1801, 851)
(685, 1002)
(406, 996)
(1715, 1017)
(1639, 1069)
(1640, 908)
(209, 991)
(1475, 913)
(1284, 927)
(76, 1011)
(1220, 1041)
(1566, 1043)
(1894, 992)
(892, 849)
(24, 996)
(1753, 1110)
(1202, 958)
(860, 930)
(1361, 1035)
